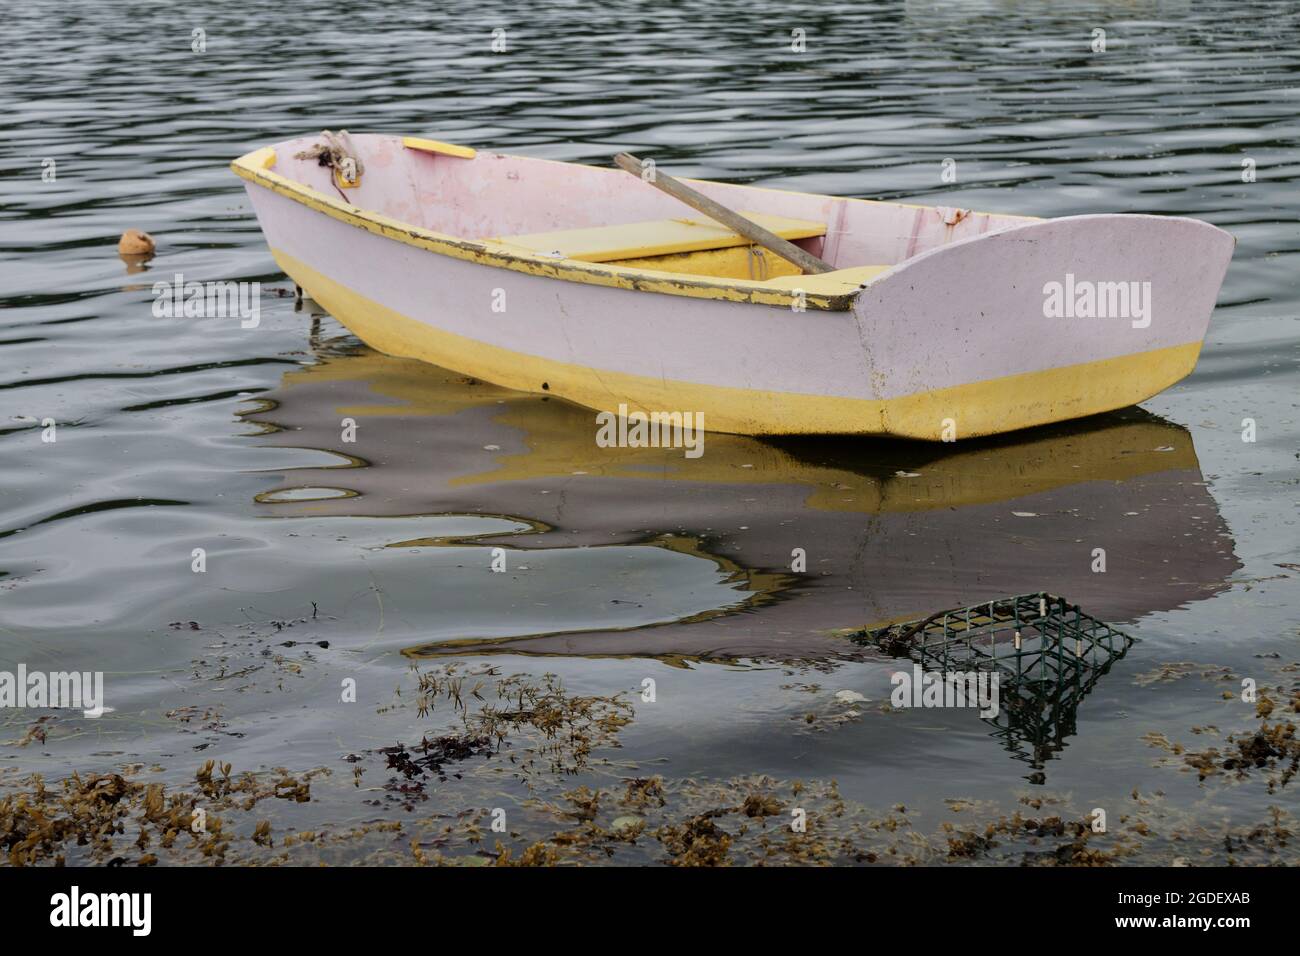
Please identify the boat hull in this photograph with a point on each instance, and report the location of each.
(950, 344)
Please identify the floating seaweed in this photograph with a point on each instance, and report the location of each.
(568, 726)
(1272, 748)
(94, 816)
(546, 735)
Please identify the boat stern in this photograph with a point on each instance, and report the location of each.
(1043, 322)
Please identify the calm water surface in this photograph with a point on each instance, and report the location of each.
(627, 565)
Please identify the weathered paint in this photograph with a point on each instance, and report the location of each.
(736, 262)
(954, 335)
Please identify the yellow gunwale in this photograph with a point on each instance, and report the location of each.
(829, 292)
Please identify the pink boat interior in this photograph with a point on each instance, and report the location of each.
(566, 210)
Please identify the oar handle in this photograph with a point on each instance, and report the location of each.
(732, 220)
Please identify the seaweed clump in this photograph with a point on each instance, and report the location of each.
(1272, 747)
(94, 817)
(430, 758)
(570, 726)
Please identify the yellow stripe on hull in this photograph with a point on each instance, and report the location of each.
(979, 408)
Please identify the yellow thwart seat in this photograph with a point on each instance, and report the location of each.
(656, 237)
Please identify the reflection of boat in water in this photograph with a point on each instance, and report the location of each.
(889, 530)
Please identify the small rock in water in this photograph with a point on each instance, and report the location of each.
(848, 696)
(624, 823)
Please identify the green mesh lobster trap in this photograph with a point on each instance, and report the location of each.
(1048, 654)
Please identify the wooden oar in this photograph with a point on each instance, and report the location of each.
(732, 220)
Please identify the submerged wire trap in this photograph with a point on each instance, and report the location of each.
(1048, 654)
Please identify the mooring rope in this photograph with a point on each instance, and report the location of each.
(339, 155)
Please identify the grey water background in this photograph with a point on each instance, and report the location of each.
(175, 434)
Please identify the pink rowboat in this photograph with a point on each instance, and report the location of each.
(591, 285)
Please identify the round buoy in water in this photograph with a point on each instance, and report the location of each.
(135, 243)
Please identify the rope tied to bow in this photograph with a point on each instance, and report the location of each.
(338, 154)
